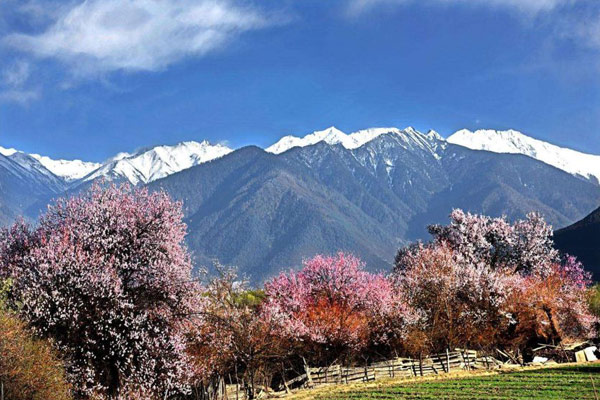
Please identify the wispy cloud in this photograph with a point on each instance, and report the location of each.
(13, 81)
(577, 21)
(16, 74)
(356, 7)
(99, 36)
(582, 27)
(19, 96)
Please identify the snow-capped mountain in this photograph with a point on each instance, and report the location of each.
(140, 167)
(29, 170)
(514, 142)
(69, 170)
(157, 162)
(351, 141)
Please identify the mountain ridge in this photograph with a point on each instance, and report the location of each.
(155, 162)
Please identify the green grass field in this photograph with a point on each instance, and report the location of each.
(569, 382)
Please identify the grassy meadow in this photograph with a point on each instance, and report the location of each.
(561, 383)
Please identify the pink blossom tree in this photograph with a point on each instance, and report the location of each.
(552, 307)
(106, 276)
(460, 303)
(333, 307)
(486, 281)
(525, 246)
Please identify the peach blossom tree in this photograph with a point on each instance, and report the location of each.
(105, 275)
(333, 306)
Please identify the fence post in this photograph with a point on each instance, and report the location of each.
(439, 359)
(285, 385)
(307, 368)
(447, 361)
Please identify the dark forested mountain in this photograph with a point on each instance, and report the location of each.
(582, 239)
(368, 193)
(265, 212)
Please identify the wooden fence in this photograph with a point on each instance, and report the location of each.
(394, 368)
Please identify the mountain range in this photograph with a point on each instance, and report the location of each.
(368, 192)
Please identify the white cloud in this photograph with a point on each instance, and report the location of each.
(529, 6)
(98, 36)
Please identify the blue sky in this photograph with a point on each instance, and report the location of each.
(89, 79)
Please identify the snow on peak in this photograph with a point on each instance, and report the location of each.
(157, 162)
(331, 135)
(433, 135)
(7, 152)
(69, 170)
(515, 142)
(350, 141)
(366, 135)
(119, 156)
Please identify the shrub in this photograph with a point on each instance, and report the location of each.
(29, 369)
(593, 297)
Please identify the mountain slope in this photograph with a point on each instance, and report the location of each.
(511, 141)
(23, 181)
(582, 239)
(506, 184)
(265, 212)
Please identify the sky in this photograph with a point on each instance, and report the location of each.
(89, 79)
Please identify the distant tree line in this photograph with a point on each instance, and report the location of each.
(99, 302)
